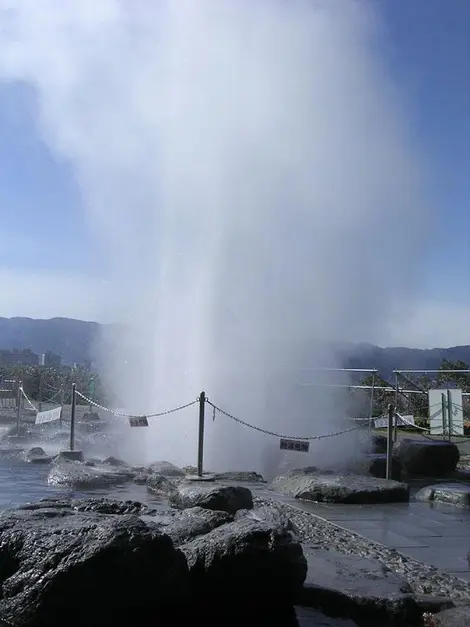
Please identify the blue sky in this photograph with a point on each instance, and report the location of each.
(427, 46)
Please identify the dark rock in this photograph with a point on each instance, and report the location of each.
(375, 464)
(452, 493)
(210, 496)
(191, 523)
(141, 478)
(81, 476)
(167, 469)
(112, 461)
(242, 476)
(432, 604)
(92, 416)
(251, 561)
(160, 484)
(431, 458)
(357, 588)
(124, 568)
(337, 488)
(270, 515)
(37, 455)
(306, 617)
(455, 617)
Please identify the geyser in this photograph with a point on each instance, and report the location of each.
(248, 168)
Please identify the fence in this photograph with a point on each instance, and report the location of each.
(287, 441)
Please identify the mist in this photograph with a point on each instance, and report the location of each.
(250, 171)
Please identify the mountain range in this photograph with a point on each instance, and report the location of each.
(74, 341)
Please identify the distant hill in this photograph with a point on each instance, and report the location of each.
(74, 340)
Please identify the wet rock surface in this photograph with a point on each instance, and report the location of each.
(425, 580)
(432, 458)
(211, 496)
(240, 476)
(451, 493)
(313, 485)
(81, 475)
(51, 554)
(37, 455)
(358, 588)
(142, 566)
(454, 617)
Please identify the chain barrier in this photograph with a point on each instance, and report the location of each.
(215, 409)
(119, 414)
(28, 400)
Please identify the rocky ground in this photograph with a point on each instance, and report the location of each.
(322, 534)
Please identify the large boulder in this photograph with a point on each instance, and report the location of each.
(425, 457)
(451, 493)
(211, 496)
(358, 588)
(82, 476)
(375, 464)
(339, 488)
(167, 469)
(247, 561)
(132, 565)
(121, 568)
(37, 455)
(159, 484)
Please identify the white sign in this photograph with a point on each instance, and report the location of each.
(138, 421)
(48, 416)
(400, 421)
(443, 424)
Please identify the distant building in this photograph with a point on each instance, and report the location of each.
(17, 357)
(51, 360)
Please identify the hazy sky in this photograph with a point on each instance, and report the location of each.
(51, 264)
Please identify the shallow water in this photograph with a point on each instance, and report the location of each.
(21, 482)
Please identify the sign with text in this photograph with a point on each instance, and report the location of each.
(51, 415)
(400, 421)
(300, 446)
(138, 421)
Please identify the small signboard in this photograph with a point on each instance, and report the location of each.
(48, 416)
(300, 446)
(138, 421)
(400, 421)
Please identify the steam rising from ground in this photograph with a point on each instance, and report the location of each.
(248, 169)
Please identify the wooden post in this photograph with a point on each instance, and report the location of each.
(72, 420)
(391, 413)
(200, 447)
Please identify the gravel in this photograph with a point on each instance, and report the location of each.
(322, 534)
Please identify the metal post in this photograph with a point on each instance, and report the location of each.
(449, 412)
(72, 420)
(18, 407)
(62, 393)
(444, 421)
(391, 413)
(200, 447)
(371, 409)
(41, 383)
(397, 392)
